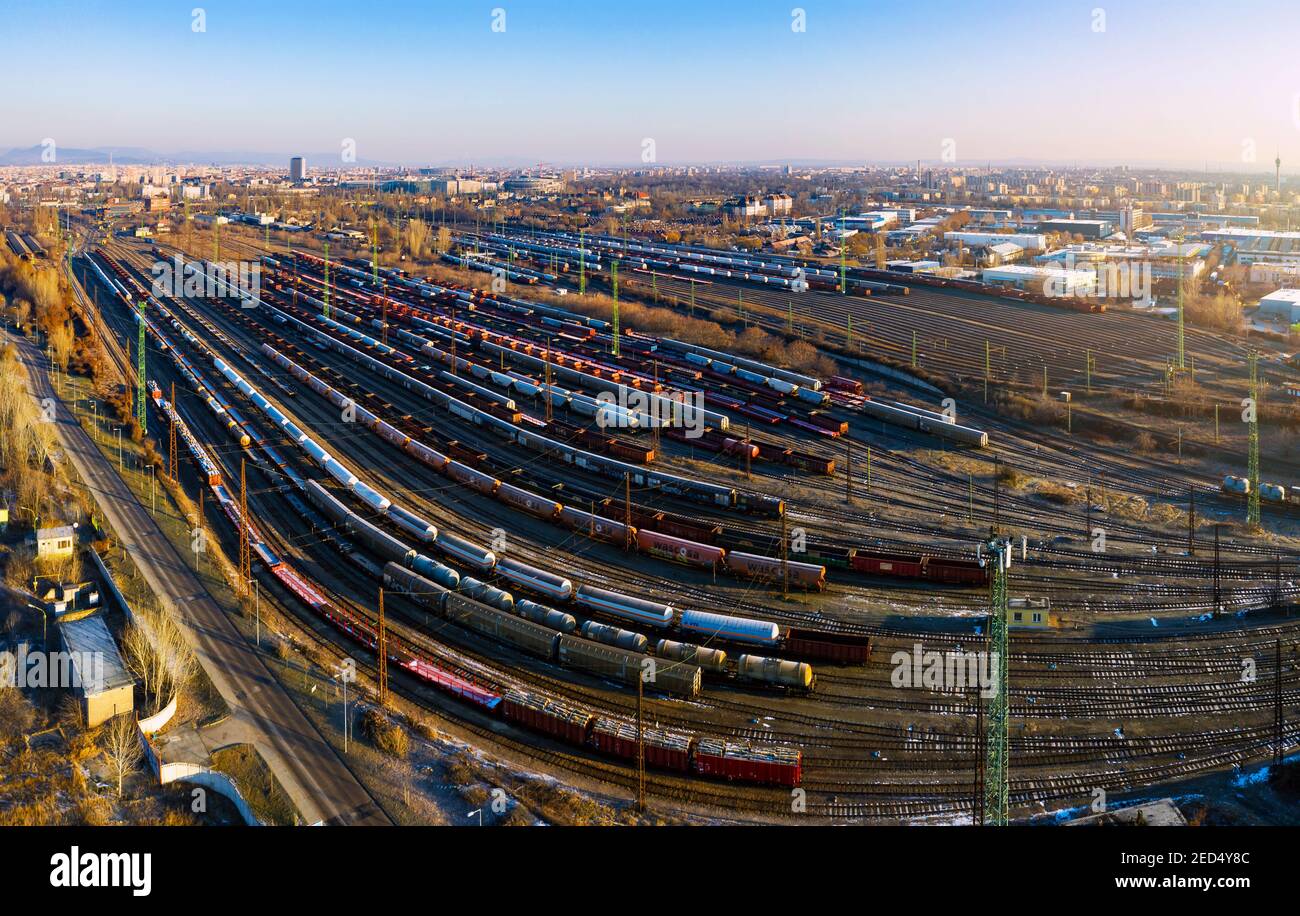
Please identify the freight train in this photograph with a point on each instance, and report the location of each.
(663, 749)
(705, 756)
(1288, 497)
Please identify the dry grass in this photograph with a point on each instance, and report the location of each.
(259, 787)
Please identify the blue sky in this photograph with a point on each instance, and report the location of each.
(723, 81)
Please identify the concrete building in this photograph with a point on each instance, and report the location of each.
(100, 679)
(1131, 219)
(297, 169)
(1004, 253)
(779, 204)
(533, 184)
(1258, 246)
(1028, 241)
(1283, 304)
(1046, 280)
(744, 208)
(55, 542)
(1088, 228)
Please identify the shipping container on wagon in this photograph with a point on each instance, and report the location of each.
(663, 749)
(546, 715)
(769, 765)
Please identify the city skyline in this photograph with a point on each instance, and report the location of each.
(731, 84)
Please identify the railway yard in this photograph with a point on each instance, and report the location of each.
(563, 509)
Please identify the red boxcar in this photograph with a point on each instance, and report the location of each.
(957, 572)
(629, 451)
(901, 565)
(775, 766)
(805, 462)
(843, 649)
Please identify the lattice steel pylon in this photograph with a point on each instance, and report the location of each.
(245, 554)
(1252, 471)
(1182, 328)
(997, 763)
(141, 415)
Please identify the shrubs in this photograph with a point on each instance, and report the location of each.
(385, 735)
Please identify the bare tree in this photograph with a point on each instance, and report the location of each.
(121, 743)
(157, 653)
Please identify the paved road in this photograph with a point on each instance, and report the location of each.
(321, 787)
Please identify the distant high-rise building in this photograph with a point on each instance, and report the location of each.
(298, 169)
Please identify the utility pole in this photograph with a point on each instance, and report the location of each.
(171, 439)
(848, 473)
(546, 397)
(627, 511)
(785, 561)
(141, 414)
(1191, 521)
(327, 279)
(1215, 609)
(245, 557)
(640, 747)
(382, 652)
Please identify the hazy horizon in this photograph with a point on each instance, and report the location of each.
(580, 83)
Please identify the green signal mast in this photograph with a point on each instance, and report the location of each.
(141, 415)
(997, 762)
(1252, 471)
(613, 282)
(1182, 340)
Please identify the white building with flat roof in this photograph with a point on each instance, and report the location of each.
(1283, 304)
(1046, 280)
(1026, 240)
